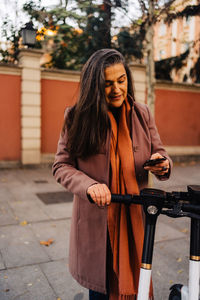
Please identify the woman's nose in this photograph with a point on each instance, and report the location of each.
(115, 87)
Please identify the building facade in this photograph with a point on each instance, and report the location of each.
(174, 39)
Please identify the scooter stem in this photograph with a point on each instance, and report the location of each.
(152, 208)
(194, 264)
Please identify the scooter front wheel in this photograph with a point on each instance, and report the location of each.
(175, 293)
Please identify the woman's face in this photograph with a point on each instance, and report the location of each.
(116, 84)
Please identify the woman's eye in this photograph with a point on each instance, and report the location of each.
(121, 81)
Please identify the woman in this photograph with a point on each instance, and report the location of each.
(106, 139)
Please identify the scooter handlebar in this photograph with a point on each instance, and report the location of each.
(179, 204)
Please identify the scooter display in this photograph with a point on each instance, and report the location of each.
(174, 205)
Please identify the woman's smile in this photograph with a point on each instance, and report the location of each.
(115, 98)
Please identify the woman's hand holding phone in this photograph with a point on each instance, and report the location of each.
(157, 164)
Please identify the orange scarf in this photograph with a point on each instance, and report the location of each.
(125, 223)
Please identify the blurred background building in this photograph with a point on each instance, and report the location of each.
(181, 36)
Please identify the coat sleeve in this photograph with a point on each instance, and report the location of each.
(66, 173)
(156, 144)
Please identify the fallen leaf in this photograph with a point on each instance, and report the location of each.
(47, 243)
(58, 298)
(158, 273)
(179, 259)
(184, 230)
(29, 284)
(171, 281)
(5, 277)
(23, 223)
(7, 290)
(180, 271)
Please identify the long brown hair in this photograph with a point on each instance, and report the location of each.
(87, 122)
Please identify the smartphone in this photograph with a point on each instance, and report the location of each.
(153, 162)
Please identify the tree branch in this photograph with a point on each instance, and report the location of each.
(163, 10)
(190, 10)
(143, 6)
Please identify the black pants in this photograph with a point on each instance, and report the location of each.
(97, 296)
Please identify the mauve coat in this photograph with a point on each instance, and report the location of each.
(88, 237)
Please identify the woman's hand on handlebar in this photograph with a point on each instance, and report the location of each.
(159, 169)
(100, 194)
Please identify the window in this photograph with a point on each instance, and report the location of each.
(187, 20)
(186, 46)
(162, 29)
(162, 54)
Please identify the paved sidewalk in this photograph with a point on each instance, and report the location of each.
(35, 210)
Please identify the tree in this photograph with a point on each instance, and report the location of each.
(12, 37)
(67, 45)
(150, 56)
(152, 11)
(195, 71)
(188, 11)
(72, 46)
(130, 44)
(165, 66)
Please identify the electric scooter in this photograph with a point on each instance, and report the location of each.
(175, 205)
